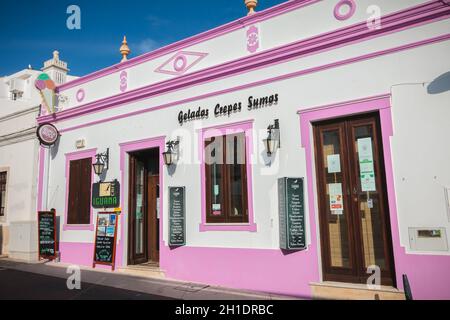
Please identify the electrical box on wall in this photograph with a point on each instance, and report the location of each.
(80, 143)
(428, 239)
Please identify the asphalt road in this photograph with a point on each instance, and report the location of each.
(19, 285)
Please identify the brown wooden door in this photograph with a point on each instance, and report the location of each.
(353, 212)
(153, 217)
(144, 196)
(138, 246)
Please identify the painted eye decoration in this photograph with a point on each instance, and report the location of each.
(181, 62)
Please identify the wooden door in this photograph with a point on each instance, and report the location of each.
(353, 212)
(153, 217)
(138, 244)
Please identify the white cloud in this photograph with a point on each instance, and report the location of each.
(145, 46)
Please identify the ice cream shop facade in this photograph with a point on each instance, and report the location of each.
(307, 145)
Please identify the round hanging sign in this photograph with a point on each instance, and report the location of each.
(47, 134)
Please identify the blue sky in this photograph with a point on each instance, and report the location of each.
(31, 30)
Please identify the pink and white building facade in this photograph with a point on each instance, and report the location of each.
(315, 66)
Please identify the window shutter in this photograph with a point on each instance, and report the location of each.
(79, 202)
(85, 192)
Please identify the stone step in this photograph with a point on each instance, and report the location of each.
(350, 291)
(151, 270)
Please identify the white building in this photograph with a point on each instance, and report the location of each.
(19, 150)
(362, 93)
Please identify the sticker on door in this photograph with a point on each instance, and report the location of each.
(336, 198)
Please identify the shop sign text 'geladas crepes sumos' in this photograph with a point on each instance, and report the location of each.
(221, 110)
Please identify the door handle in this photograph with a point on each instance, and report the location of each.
(355, 192)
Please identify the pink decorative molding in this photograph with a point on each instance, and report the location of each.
(40, 196)
(253, 39)
(205, 133)
(81, 94)
(71, 157)
(350, 4)
(260, 82)
(202, 37)
(125, 148)
(178, 64)
(402, 20)
(123, 78)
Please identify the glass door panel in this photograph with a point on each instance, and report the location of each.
(335, 210)
(236, 168)
(139, 212)
(369, 197)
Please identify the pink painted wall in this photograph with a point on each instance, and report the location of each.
(271, 270)
(252, 269)
(78, 253)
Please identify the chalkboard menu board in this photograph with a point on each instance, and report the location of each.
(177, 216)
(105, 239)
(47, 234)
(292, 213)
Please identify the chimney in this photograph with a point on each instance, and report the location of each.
(56, 69)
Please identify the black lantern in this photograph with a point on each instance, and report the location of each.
(273, 139)
(169, 155)
(102, 162)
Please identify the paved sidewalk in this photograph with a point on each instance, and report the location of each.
(146, 285)
(21, 285)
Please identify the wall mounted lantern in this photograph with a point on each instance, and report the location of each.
(273, 139)
(102, 162)
(170, 155)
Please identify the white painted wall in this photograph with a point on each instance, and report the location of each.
(19, 157)
(421, 153)
(358, 80)
(19, 148)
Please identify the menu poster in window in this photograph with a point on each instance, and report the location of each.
(366, 165)
(334, 163)
(336, 198)
(177, 216)
(47, 234)
(105, 239)
(291, 214)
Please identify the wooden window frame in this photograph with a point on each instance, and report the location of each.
(245, 127)
(226, 197)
